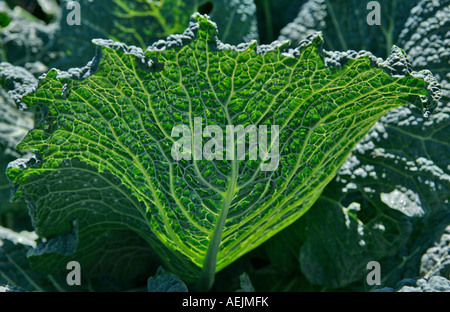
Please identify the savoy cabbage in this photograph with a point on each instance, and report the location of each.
(361, 173)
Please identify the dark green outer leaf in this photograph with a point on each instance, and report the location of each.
(141, 23)
(425, 39)
(15, 272)
(27, 41)
(14, 124)
(436, 261)
(434, 269)
(344, 24)
(274, 16)
(398, 181)
(400, 165)
(246, 283)
(434, 284)
(165, 282)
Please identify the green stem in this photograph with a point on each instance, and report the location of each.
(334, 19)
(209, 265)
(9, 220)
(389, 34)
(268, 18)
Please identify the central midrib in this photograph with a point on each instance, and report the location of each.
(209, 263)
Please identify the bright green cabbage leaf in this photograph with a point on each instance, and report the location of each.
(411, 25)
(104, 148)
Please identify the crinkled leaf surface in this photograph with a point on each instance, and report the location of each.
(165, 282)
(27, 41)
(420, 28)
(336, 253)
(15, 272)
(141, 23)
(344, 24)
(14, 124)
(433, 284)
(436, 260)
(434, 269)
(105, 143)
(17, 275)
(246, 283)
(426, 40)
(389, 198)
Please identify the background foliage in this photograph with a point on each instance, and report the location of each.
(389, 202)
